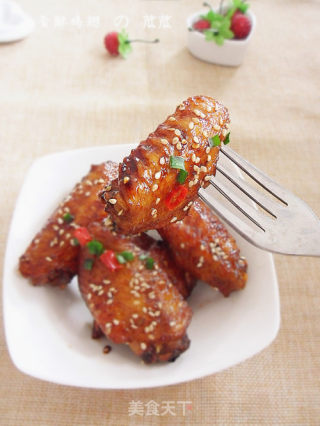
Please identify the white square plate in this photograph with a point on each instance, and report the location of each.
(48, 331)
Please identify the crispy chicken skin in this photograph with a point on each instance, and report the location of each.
(51, 258)
(137, 198)
(134, 305)
(201, 245)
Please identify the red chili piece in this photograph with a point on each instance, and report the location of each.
(176, 196)
(108, 258)
(82, 235)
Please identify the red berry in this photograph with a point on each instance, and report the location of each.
(111, 43)
(201, 25)
(240, 25)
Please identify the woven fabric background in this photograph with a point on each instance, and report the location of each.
(60, 90)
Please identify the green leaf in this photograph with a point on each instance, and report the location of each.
(215, 141)
(219, 39)
(124, 44)
(241, 5)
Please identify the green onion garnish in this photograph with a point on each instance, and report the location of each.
(95, 247)
(177, 162)
(121, 259)
(149, 263)
(215, 141)
(88, 264)
(227, 139)
(68, 218)
(75, 241)
(127, 255)
(182, 176)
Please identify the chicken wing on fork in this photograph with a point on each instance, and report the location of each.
(201, 245)
(132, 298)
(52, 257)
(159, 180)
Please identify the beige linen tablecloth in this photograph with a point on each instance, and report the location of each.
(60, 90)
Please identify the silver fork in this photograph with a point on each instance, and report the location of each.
(283, 224)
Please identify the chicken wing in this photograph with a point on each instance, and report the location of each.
(159, 180)
(135, 302)
(202, 245)
(51, 258)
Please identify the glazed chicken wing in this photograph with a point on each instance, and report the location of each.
(134, 302)
(159, 180)
(51, 258)
(202, 245)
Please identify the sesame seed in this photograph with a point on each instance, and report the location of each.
(172, 323)
(61, 232)
(196, 168)
(157, 200)
(203, 169)
(209, 109)
(194, 157)
(48, 259)
(179, 146)
(116, 322)
(112, 201)
(196, 180)
(177, 132)
(154, 212)
(182, 107)
(108, 188)
(120, 212)
(126, 179)
(182, 245)
(175, 140)
(174, 219)
(164, 141)
(89, 296)
(196, 139)
(195, 145)
(205, 134)
(197, 112)
(191, 183)
(221, 121)
(195, 120)
(224, 132)
(87, 193)
(207, 150)
(191, 125)
(55, 227)
(152, 295)
(197, 160)
(61, 243)
(209, 158)
(106, 281)
(60, 221)
(172, 118)
(155, 187)
(202, 247)
(216, 127)
(162, 160)
(143, 346)
(157, 175)
(184, 142)
(207, 178)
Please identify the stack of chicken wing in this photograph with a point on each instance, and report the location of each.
(136, 287)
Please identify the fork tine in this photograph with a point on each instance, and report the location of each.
(256, 216)
(264, 202)
(257, 175)
(255, 236)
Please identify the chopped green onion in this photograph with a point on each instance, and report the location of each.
(149, 263)
(68, 218)
(215, 141)
(227, 139)
(177, 162)
(121, 259)
(95, 247)
(128, 255)
(88, 264)
(182, 176)
(75, 241)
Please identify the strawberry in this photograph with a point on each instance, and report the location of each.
(119, 43)
(201, 25)
(111, 43)
(240, 25)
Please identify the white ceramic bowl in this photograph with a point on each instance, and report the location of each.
(231, 53)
